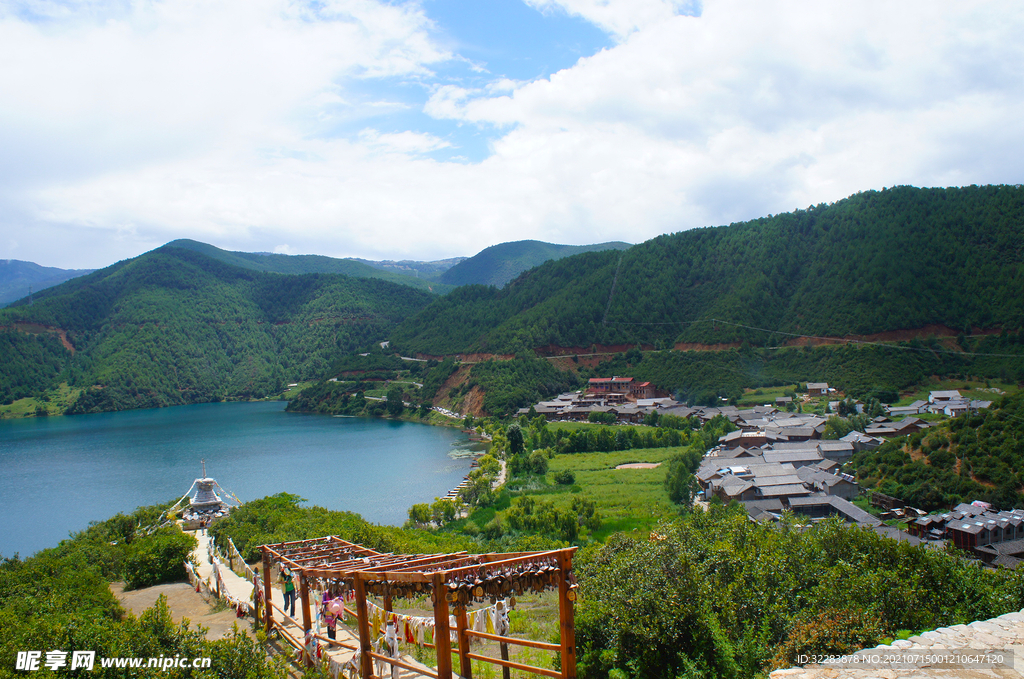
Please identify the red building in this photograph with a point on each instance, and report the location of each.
(627, 386)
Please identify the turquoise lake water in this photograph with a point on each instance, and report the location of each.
(58, 474)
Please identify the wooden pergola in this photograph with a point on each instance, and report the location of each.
(453, 581)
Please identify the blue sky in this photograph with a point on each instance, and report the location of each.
(425, 129)
(490, 40)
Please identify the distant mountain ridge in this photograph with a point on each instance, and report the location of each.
(18, 277)
(499, 264)
(430, 271)
(303, 264)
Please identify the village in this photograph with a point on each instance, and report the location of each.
(777, 460)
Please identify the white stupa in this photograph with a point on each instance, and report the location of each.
(205, 504)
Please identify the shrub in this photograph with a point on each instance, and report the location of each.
(832, 632)
(538, 462)
(158, 558)
(565, 477)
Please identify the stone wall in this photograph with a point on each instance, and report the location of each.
(1003, 635)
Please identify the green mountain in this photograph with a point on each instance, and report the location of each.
(18, 277)
(878, 261)
(176, 326)
(302, 264)
(499, 264)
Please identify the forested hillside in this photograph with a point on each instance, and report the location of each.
(972, 457)
(499, 264)
(861, 371)
(174, 326)
(299, 264)
(877, 261)
(17, 277)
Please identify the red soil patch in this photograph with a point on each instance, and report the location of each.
(697, 346)
(905, 335)
(37, 329)
(473, 402)
(481, 357)
(555, 350)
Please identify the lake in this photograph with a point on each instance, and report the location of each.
(58, 474)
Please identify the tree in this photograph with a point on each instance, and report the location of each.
(442, 510)
(395, 406)
(516, 443)
(565, 477)
(538, 462)
(419, 514)
(680, 483)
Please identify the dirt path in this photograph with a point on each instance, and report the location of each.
(184, 602)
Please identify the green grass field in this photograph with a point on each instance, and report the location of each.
(764, 395)
(56, 402)
(627, 499)
(292, 392)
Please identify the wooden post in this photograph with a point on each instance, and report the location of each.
(267, 590)
(506, 672)
(442, 640)
(365, 661)
(502, 630)
(465, 664)
(567, 625)
(307, 623)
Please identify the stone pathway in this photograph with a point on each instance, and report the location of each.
(240, 588)
(1001, 637)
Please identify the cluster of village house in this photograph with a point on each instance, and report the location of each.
(995, 537)
(776, 460)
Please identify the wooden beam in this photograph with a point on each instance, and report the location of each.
(513, 640)
(442, 640)
(493, 560)
(516, 665)
(566, 617)
(465, 664)
(400, 663)
(365, 668)
(267, 589)
(394, 576)
(307, 622)
(335, 642)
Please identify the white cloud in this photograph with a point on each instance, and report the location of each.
(209, 120)
(403, 142)
(620, 18)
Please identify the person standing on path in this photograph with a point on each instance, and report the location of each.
(257, 593)
(289, 590)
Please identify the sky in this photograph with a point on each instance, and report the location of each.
(428, 129)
